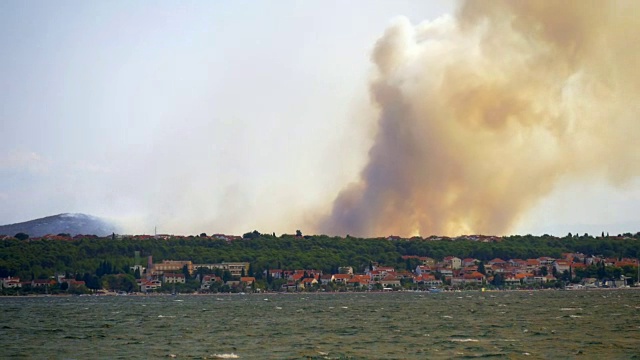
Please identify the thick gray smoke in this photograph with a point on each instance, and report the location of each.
(481, 114)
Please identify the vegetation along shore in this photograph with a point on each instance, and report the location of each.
(255, 262)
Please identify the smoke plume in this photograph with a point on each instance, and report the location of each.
(481, 113)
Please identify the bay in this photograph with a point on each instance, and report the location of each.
(407, 325)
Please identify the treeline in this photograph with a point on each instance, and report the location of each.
(40, 259)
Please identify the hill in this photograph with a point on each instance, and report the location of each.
(72, 224)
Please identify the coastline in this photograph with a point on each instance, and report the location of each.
(319, 293)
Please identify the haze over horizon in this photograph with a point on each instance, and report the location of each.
(370, 119)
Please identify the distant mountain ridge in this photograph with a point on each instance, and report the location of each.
(68, 223)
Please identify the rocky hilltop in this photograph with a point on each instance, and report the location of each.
(67, 223)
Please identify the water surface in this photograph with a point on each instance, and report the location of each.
(513, 325)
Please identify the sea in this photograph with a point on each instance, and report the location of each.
(581, 324)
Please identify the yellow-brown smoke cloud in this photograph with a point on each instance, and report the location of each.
(480, 115)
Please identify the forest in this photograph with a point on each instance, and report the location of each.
(41, 258)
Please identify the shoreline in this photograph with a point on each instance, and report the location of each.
(315, 293)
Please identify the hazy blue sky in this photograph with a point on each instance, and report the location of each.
(210, 116)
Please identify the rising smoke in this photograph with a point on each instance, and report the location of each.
(481, 114)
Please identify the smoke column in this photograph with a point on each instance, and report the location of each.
(482, 113)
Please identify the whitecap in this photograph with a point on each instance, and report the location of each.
(225, 356)
(465, 340)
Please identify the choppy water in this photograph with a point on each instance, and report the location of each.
(546, 324)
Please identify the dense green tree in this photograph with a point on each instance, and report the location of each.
(481, 268)
(544, 271)
(226, 276)
(21, 236)
(498, 280)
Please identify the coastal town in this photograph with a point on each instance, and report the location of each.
(572, 271)
(450, 273)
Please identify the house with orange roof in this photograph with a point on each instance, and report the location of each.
(427, 280)
(473, 278)
(469, 262)
(209, 280)
(306, 282)
(578, 265)
(75, 283)
(340, 278)
(11, 282)
(390, 281)
(497, 262)
(511, 280)
(470, 269)
(359, 281)
(404, 274)
(376, 275)
(149, 285)
(42, 282)
(247, 280)
(385, 269)
(423, 269)
(525, 278)
(561, 266)
(532, 264)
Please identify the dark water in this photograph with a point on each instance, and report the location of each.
(512, 325)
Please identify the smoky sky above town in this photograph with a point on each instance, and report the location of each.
(367, 118)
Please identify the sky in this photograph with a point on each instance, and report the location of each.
(225, 117)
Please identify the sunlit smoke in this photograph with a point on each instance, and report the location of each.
(480, 115)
